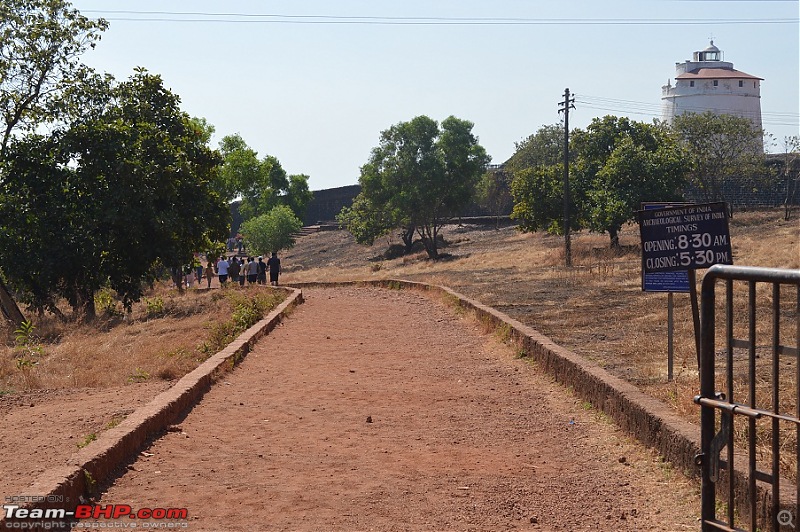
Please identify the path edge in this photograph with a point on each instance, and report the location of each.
(65, 487)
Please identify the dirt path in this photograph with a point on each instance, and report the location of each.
(375, 409)
(42, 429)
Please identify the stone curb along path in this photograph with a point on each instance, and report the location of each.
(66, 487)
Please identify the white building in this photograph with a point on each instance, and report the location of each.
(707, 83)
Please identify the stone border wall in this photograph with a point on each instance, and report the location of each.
(93, 466)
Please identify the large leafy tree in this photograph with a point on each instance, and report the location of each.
(40, 45)
(624, 163)
(105, 200)
(261, 183)
(537, 186)
(721, 148)
(419, 177)
(539, 199)
(543, 148)
(272, 231)
(615, 165)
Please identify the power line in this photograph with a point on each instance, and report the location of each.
(653, 110)
(272, 18)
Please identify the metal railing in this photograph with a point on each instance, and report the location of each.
(752, 491)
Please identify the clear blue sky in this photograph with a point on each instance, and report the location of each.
(314, 82)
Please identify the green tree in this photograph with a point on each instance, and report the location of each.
(272, 231)
(298, 195)
(40, 45)
(539, 199)
(615, 164)
(721, 148)
(128, 188)
(419, 177)
(537, 185)
(261, 183)
(625, 163)
(240, 167)
(367, 221)
(543, 148)
(494, 192)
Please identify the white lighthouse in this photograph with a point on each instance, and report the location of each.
(707, 83)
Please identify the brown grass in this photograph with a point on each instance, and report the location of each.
(165, 336)
(597, 307)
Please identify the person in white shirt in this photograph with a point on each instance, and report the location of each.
(222, 270)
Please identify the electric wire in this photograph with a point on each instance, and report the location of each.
(653, 110)
(275, 18)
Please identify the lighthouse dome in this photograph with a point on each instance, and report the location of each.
(711, 53)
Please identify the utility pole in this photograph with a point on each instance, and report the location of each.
(564, 107)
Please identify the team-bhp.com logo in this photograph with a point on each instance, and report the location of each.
(16, 516)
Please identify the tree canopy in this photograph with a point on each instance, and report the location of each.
(41, 42)
(261, 183)
(621, 164)
(537, 185)
(104, 200)
(40, 45)
(418, 178)
(272, 231)
(616, 164)
(721, 148)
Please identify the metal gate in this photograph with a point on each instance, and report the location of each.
(763, 406)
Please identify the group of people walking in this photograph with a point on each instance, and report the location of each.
(250, 270)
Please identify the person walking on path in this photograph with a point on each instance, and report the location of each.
(262, 271)
(274, 265)
(222, 270)
(234, 268)
(252, 271)
(209, 273)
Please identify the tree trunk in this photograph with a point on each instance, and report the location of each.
(9, 307)
(407, 234)
(613, 232)
(86, 305)
(430, 243)
(431, 248)
(177, 278)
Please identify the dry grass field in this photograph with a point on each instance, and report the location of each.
(166, 335)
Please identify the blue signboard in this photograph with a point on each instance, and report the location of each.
(685, 238)
(676, 281)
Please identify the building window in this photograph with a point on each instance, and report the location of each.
(691, 83)
(716, 83)
(741, 83)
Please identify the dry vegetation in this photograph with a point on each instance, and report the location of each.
(596, 308)
(165, 336)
